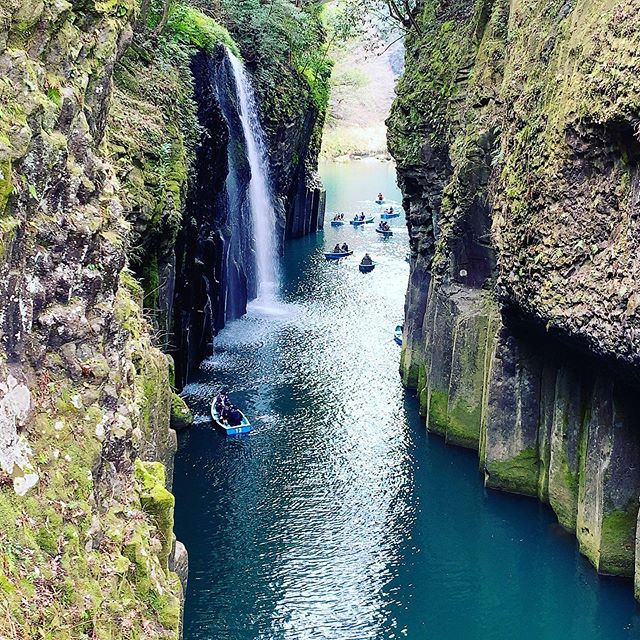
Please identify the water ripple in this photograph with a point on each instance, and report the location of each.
(336, 518)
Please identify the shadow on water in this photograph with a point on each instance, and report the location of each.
(339, 517)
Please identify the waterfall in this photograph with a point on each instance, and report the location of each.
(260, 196)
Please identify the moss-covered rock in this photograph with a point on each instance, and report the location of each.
(157, 501)
(515, 134)
(181, 416)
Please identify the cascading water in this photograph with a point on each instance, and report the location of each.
(260, 196)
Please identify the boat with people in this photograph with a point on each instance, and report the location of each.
(366, 264)
(338, 220)
(336, 255)
(384, 229)
(359, 221)
(380, 199)
(228, 417)
(389, 213)
(397, 334)
(338, 252)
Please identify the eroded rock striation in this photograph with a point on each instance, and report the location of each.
(515, 130)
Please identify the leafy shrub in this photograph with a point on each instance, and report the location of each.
(189, 25)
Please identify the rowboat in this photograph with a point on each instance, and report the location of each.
(337, 223)
(397, 334)
(380, 201)
(388, 216)
(243, 427)
(386, 234)
(357, 223)
(366, 268)
(337, 256)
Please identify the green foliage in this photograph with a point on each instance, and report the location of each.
(190, 26)
(277, 39)
(352, 18)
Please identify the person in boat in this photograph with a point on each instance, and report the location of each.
(362, 216)
(234, 417)
(342, 216)
(336, 249)
(380, 196)
(345, 247)
(390, 209)
(221, 402)
(366, 260)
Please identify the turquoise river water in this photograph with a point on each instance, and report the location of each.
(339, 517)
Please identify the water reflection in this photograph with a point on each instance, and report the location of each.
(337, 518)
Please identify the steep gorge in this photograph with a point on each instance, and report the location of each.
(109, 227)
(515, 133)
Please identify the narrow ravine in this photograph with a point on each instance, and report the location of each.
(339, 517)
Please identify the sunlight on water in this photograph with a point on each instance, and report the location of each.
(337, 518)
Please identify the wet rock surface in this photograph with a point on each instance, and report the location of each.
(519, 174)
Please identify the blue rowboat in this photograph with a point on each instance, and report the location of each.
(243, 427)
(366, 268)
(337, 223)
(380, 201)
(397, 334)
(337, 256)
(388, 216)
(385, 234)
(357, 223)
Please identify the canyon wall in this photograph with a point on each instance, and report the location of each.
(86, 516)
(515, 130)
(103, 124)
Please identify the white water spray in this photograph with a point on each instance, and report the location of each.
(261, 200)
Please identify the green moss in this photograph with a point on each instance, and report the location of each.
(437, 418)
(156, 500)
(151, 282)
(518, 475)
(181, 416)
(6, 185)
(423, 390)
(463, 424)
(563, 497)
(564, 485)
(410, 372)
(618, 541)
(189, 25)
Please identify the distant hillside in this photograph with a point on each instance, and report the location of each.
(362, 91)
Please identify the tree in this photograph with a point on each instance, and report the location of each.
(351, 17)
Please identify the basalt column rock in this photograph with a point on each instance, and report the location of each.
(516, 140)
(511, 459)
(609, 480)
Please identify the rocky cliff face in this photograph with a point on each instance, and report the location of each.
(100, 130)
(215, 272)
(515, 133)
(86, 515)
